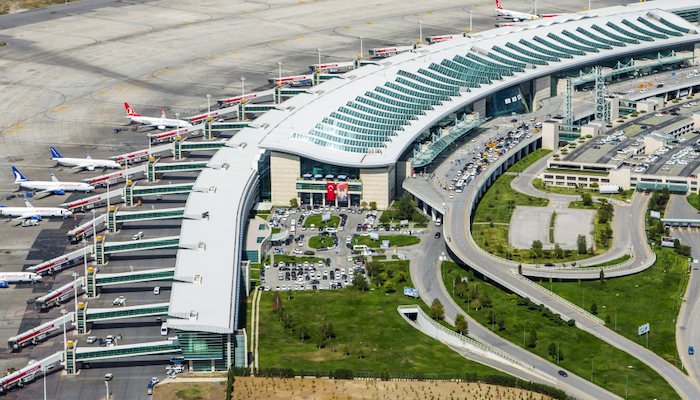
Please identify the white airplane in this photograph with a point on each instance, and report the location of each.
(54, 186)
(83, 163)
(513, 15)
(33, 212)
(161, 123)
(18, 277)
(516, 16)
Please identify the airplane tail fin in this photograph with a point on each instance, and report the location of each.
(498, 5)
(18, 176)
(55, 154)
(130, 111)
(162, 114)
(27, 203)
(88, 156)
(53, 177)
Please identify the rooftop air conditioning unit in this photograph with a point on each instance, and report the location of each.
(193, 315)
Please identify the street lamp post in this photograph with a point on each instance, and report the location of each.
(209, 103)
(65, 343)
(75, 276)
(107, 387)
(94, 233)
(420, 31)
(243, 86)
(279, 70)
(44, 370)
(319, 56)
(470, 19)
(360, 37)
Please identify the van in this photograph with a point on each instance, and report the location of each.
(156, 290)
(137, 236)
(164, 329)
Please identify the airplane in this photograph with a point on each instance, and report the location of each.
(516, 16)
(83, 163)
(18, 277)
(47, 187)
(33, 212)
(161, 123)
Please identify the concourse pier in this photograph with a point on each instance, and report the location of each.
(77, 355)
(97, 280)
(103, 249)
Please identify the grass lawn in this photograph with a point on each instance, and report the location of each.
(497, 205)
(255, 274)
(578, 204)
(494, 239)
(394, 240)
(320, 241)
(276, 230)
(611, 262)
(366, 322)
(316, 220)
(528, 160)
(694, 200)
(578, 348)
(577, 191)
(652, 296)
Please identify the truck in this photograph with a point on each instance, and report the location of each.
(150, 388)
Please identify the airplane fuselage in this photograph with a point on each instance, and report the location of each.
(19, 277)
(158, 122)
(54, 186)
(35, 211)
(86, 163)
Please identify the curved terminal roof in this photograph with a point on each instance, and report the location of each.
(369, 116)
(414, 90)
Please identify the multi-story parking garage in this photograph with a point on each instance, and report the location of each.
(358, 137)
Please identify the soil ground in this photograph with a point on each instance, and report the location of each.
(190, 391)
(327, 389)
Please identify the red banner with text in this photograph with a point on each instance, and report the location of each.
(330, 191)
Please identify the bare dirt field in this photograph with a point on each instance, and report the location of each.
(329, 389)
(8, 6)
(190, 391)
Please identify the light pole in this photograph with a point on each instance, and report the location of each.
(535, 7)
(589, 5)
(44, 370)
(94, 234)
(177, 115)
(279, 70)
(65, 343)
(242, 86)
(319, 56)
(75, 276)
(85, 257)
(209, 103)
(360, 37)
(107, 387)
(470, 19)
(420, 30)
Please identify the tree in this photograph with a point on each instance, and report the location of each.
(536, 248)
(520, 269)
(405, 206)
(485, 299)
(587, 199)
(360, 282)
(373, 205)
(608, 319)
(303, 332)
(276, 303)
(330, 332)
(461, 323)
(615, 284)
(402, 276)
(532, 339)
(385, 218)
(288, 320)
(601, 279)
(594, 308)
(346, 350)
(501, 324)
(581, 244)
(437, 310)
(363, 204)
(558, 250)
(552, 350)
(290, 293)
(389, 286)
(294, 202)
(320, 341)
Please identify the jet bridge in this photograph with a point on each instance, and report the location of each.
(103, 249)
(155, 168)
(28, 373)
(58, 296)
(88, 203)
(41, 332)
(76, 355)
(114, 177)
(131, 191)
(182, 147)
(109, 314)
(174, 134)
(141, 155)
(86, 229)
(97, 280)
(60, 262)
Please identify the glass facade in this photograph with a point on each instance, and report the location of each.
(313, 167)
(264, 172)
(517, 99)
(202, 345)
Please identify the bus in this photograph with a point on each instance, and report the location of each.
(459, 186)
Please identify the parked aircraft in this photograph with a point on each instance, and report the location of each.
(34, 212)
(54, 186)
(83, 163)
(161, 123)
(17, 277)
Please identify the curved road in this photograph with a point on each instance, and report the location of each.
(457, 231)
(425, 273)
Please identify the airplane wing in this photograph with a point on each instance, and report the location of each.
(49, 190)
(26, 216)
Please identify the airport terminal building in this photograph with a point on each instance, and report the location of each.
(357, 137)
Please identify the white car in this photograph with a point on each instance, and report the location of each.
(658, 115)
(156, 290)
(137, 236)
(91, 339)
(119, 301)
